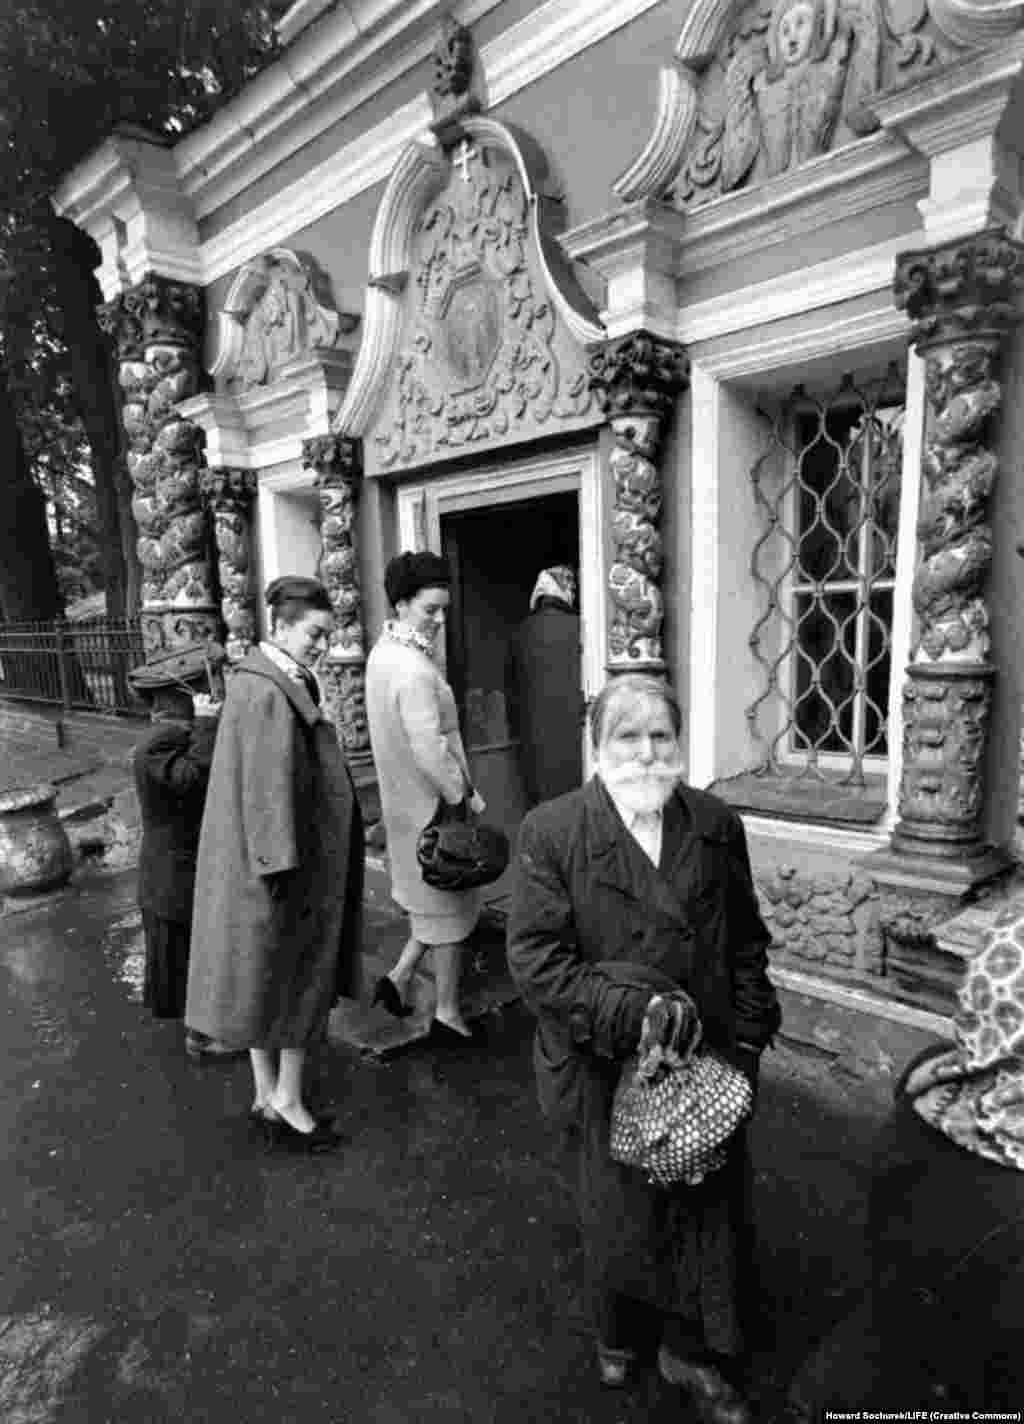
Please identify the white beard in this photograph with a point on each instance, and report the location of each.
(641, 790)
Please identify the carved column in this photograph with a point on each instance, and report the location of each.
(961, 298)
(636, 378)
(338, 468)
(230, 495)
(158, 329)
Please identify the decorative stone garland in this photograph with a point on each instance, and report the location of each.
(636, 379)
(157, 326)
(338, 467)
(961, 299)
(230, 494)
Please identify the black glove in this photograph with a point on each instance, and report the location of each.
(279, 883)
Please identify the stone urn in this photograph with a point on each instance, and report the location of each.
(35, 853)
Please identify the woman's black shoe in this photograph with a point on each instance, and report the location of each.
(324, 1137)
(385, 993)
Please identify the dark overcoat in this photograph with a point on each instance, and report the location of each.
(264, 971)
(586, 905)
(550, 701)
(172, 767)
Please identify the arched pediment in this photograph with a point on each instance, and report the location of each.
(277, 311)
(474, 325)
(757, 87)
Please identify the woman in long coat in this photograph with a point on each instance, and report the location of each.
(632, 886)
(276, 927)
(420, 759)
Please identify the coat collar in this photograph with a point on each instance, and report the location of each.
(257, 663)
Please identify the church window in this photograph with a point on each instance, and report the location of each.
(824, 563)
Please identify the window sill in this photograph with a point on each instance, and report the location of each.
(796, 797)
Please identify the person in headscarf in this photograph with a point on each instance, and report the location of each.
(183, 688)
(420, 759)
(548, 692)
(939, 1326)
(276, 927)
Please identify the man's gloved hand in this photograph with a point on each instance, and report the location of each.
(279, 884)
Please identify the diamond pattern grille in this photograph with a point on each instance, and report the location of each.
(827, 490)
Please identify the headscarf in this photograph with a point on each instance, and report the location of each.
(974, 1092)
(557, 582)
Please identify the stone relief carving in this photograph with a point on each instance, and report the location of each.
(478, 357)
(230, 494)
(453, 73)
(794, 79)
(277, 311)
(757, 87)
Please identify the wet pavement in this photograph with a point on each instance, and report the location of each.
(160, 1265)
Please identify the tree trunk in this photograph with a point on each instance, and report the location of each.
(28, 577)
(92, 369)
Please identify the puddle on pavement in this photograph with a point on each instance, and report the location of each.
(39, 1354)
(124, 952)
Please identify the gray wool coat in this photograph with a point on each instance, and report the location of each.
(594, 929)
(265, 971)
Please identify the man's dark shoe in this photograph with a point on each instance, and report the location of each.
(717, 1401)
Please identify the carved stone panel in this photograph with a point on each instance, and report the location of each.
(483, 356)
(793, 79)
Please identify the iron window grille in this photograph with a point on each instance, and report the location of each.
(827, 489)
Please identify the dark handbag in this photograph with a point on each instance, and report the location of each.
(676, 1108)
(456, 852)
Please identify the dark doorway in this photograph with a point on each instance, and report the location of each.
(495, 555)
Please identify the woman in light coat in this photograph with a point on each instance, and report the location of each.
(418, 751)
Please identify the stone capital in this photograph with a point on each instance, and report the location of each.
(226, 488)
(962, 289)
(334, 458)
(638, 375)
(158, 311)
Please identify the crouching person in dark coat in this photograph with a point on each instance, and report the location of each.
(633, 885)
(276, 928)
(172, 766)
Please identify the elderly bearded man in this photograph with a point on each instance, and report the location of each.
(637, 884)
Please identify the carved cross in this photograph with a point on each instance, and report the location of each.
(463, 154)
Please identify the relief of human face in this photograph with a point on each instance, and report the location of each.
(305, 640)
(425, 612)
(796, 31)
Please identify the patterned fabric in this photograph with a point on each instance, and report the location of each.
(974, 1092)
(557, 582)
(403, 633)
(676, 1109)
(304, 676)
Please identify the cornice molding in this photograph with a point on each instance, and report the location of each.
(290, 105)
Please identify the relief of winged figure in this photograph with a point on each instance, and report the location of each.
(790, 95)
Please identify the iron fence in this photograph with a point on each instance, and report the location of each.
(82, 665)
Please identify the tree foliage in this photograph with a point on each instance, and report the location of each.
(72, 71)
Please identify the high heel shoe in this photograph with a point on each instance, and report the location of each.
(388, 996)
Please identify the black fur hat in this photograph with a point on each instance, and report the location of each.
(407, 573)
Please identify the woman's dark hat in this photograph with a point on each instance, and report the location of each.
(171, 667)
(408, 573)
(308, 590)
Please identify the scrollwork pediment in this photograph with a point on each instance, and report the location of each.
(483, 356)
(277, 311)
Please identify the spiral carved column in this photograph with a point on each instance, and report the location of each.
(230, 495)
(337, 464)
(961, 299)
(636, 378)
(157, 326)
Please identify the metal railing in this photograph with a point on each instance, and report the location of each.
(81, 666)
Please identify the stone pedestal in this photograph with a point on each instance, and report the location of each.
(636, 378)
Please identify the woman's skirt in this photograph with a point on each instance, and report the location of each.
(167, 949)
(450, 928)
